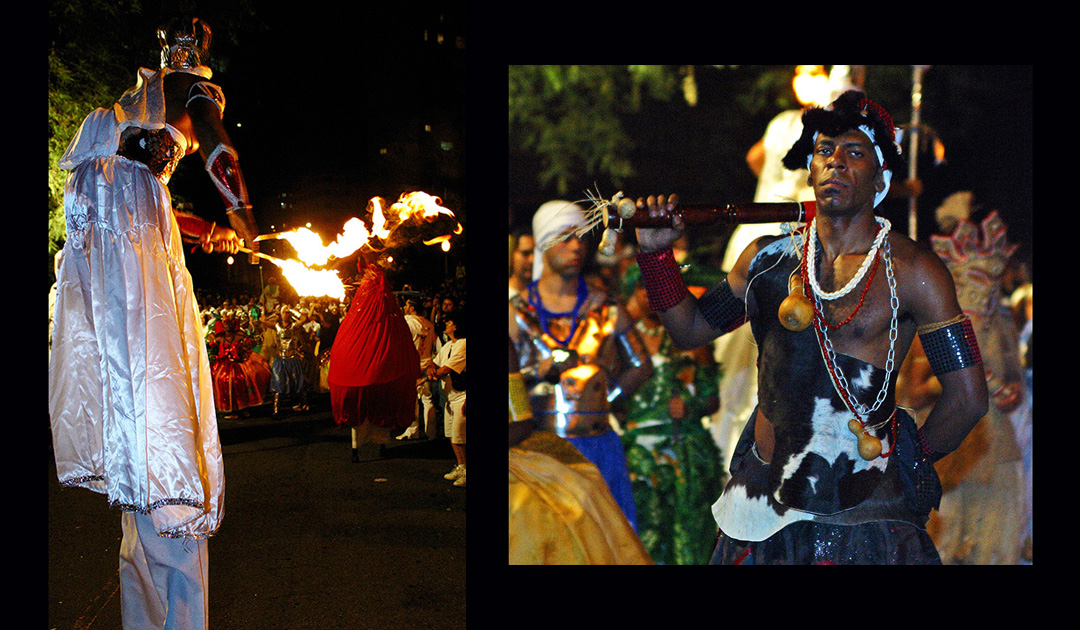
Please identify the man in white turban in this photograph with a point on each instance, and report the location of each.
(577, 351)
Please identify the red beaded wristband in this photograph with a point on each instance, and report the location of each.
(664, 285)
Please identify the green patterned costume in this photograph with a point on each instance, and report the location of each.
(675, 465)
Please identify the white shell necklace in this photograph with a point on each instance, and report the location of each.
(811, 263)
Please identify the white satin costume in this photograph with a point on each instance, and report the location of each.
(131, 396)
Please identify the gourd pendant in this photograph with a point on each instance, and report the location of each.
(869, 446)
(796, 312)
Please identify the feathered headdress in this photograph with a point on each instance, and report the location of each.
(977, 263)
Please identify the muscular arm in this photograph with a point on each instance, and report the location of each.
(685, 323)
(197, 106)
(963, 399)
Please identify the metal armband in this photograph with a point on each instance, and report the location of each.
(950, 345)
(223, 166)
(530, 329)
(519, 399)
(721, 308)
(632, 348)
(210, 92)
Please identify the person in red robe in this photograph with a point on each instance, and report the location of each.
(241, 377)
(374, 366)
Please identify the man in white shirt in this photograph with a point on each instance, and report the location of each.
(423, 335)
(449, 367)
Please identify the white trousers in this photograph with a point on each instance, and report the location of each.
(424, 403)
(427, 404)
(454, 418)
(163, 581)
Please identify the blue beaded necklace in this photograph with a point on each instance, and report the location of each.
(546, 315)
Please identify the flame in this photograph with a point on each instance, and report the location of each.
(414, 205)
(312, 282)
(378, 221)
(811, 85)
(445, 238)
(308, 245)
(311, 251)
(427, 206)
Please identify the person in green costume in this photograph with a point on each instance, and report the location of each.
(675, 466)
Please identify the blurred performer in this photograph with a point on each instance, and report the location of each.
(579, 354)
(673, 461)
(271, 295)
(131, 400)
(828, 469)
(449, 367)
(374, 365)
(521, 262)
(982, 508)
(1021, 305)
(287, 367)
(561, 510)
(423, 336)
(241, 375)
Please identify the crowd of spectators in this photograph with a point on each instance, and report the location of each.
(251, 323)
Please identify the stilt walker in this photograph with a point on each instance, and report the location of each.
(131, 399)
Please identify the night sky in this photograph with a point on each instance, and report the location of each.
(329, 104)
(982, 114)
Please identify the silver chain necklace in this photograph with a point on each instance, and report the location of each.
(840, 381)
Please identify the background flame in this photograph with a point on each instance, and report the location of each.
(312, 282)
(413, 209)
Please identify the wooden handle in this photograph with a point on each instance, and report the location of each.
(717, 214)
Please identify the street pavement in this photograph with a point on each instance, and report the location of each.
(310, 539)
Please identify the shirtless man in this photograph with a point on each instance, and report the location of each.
(801, 490)
(578, 353)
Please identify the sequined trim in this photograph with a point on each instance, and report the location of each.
(78, 481)
(951, 347)
(210, 91)
(939, 325)
(128, 507)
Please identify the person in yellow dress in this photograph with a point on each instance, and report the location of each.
(561, 511)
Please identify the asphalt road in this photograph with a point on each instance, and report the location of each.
(310, 539)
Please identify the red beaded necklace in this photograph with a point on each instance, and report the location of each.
(820, 326)
(818, 315)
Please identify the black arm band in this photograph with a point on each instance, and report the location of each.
(721, 308)
(951, 345)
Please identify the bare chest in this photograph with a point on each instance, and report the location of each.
(860, 323)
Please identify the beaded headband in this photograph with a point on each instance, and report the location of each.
(852, 110)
